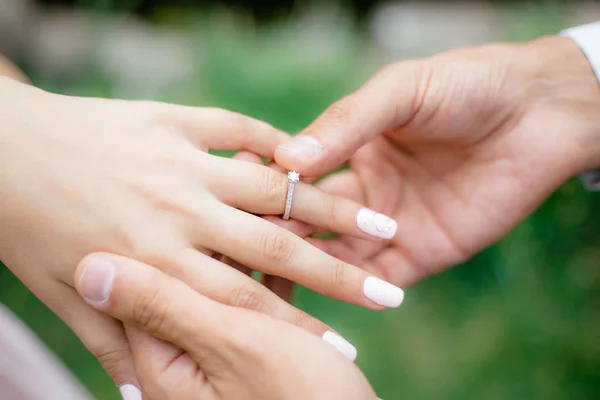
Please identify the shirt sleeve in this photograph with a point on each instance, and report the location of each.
(587, 38)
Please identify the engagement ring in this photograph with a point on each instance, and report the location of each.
(293, 178)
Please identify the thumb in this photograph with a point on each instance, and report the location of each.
(388, 100)
(105, 338)
(147, 298)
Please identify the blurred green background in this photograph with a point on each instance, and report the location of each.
(520, 321)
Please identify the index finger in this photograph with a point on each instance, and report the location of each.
(391, 98)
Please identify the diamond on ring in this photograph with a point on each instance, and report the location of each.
(293, 178)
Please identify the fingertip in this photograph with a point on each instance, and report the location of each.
(382, 293)
(95, 278)
(375, 224)
(130, 392)
(341, 344)
(303, 146)
(301, 154)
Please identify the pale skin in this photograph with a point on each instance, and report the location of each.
(79, 175)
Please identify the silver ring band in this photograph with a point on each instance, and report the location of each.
(293, 178)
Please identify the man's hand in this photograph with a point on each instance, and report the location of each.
(457, 148)
(208, 350)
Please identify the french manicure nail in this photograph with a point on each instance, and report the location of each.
(303, 146)
(97, 279)
(383, 293)
(341, 344)
(376, 224)
(130, 392)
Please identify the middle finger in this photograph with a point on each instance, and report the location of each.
(261, 245)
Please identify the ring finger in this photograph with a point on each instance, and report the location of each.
(261, 190)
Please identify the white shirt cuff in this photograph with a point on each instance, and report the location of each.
(587, 38)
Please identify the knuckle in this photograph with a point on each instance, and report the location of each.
(309, 323)
(270, 130)
(332, 205)
(301, 319)
(272, 184)
(114, 361)
(339, 276)
(248, 128)
(340, 111)
(267, 133)
(122, 238)
(276, 246)
(154, 113)
(137, 243)
(242, 124)
(151, 308)
(249, 298)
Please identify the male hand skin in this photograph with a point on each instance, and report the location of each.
(457, 148)
(209, 350)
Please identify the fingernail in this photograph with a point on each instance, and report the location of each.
(130, 392)
(97, 279)
(303, 146)
(376, 224)
(383, 293)
(344, 346)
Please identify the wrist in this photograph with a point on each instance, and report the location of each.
(565, 80)
(17, 111)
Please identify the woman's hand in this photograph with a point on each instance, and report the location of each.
(208, 350)
(458, 148)
(135, 178)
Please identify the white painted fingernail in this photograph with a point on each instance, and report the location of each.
(344, 346)
(305, 146)
(383, 293)
(130, 392)
(376, 224)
